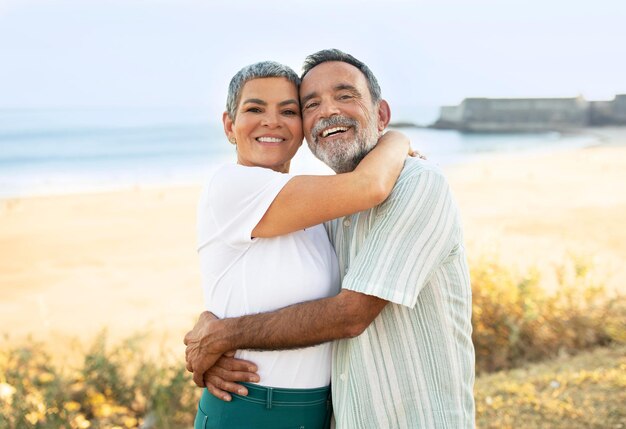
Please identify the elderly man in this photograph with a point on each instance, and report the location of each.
(403, 355)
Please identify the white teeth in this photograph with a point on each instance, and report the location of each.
(269, 139)
(333, 130)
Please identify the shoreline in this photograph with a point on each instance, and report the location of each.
(305, 163)
(74, 264)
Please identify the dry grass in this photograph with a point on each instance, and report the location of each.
(515, 321)
(112, 388)
(586, 391)
(515, 324)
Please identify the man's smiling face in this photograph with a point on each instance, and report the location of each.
(340, 121)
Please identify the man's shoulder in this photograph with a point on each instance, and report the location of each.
(415, 168)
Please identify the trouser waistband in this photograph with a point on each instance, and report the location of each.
(279, 396)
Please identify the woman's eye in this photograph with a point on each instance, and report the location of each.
(290, 112)
(253, 109)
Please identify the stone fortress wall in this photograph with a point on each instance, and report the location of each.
(531, 114)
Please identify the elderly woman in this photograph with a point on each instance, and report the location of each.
(262, 247)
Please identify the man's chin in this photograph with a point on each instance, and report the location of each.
(339, 162)
(340, 155)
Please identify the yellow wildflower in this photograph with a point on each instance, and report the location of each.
(81, 422)
(45, 377)
(130, 422)
(96, 398)
(35, 399)
(103, 410)
(32, 417)
(72, 406)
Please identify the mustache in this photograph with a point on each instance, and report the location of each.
(333, 121)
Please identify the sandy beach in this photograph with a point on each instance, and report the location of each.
(542, 210)
(75, 264)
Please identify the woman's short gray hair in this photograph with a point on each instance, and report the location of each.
(255, 71)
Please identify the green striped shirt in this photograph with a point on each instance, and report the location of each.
(414, 365)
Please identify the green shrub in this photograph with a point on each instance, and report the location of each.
(515, 320)
(115, 388)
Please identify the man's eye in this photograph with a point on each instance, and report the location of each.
(310, 105)
(345, 97)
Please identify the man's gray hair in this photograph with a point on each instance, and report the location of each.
(255, 71)
(337, 55)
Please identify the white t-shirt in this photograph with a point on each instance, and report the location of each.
(243, 275)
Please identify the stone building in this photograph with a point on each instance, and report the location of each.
(608, 112)
(531, 114)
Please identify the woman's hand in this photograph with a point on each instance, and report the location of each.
(222, 377)
(399, 138)
(416, 154)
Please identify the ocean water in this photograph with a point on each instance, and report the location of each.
(61, 151)
(66, 151)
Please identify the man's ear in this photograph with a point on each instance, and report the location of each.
(384, 115)
(228, 128)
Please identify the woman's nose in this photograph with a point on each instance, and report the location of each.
(271, 120)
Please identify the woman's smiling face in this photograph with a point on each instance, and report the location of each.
(267, 127)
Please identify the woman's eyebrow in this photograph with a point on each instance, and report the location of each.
(264, 103)
(290, 101)
(255, 101)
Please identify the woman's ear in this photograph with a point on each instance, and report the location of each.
(228, 128)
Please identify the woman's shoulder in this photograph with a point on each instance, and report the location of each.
(238, 171)
(228, 181)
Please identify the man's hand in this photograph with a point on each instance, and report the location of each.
(221, 377)
(198, 355)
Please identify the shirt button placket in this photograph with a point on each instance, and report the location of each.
(346, 224)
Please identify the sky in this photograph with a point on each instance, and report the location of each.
(182, 53)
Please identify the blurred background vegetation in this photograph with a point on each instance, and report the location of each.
(543, 360)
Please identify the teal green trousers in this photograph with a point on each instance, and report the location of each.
(266, 407)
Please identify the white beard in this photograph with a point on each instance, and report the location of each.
(343, 155)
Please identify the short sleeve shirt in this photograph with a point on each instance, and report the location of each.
(413, 367)
(245, 275)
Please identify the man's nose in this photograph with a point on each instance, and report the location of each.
(328, 109)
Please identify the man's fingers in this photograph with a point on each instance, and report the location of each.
(189, 367)
(186, 339)
(198, 379)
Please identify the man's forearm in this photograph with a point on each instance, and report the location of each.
(300, 325)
